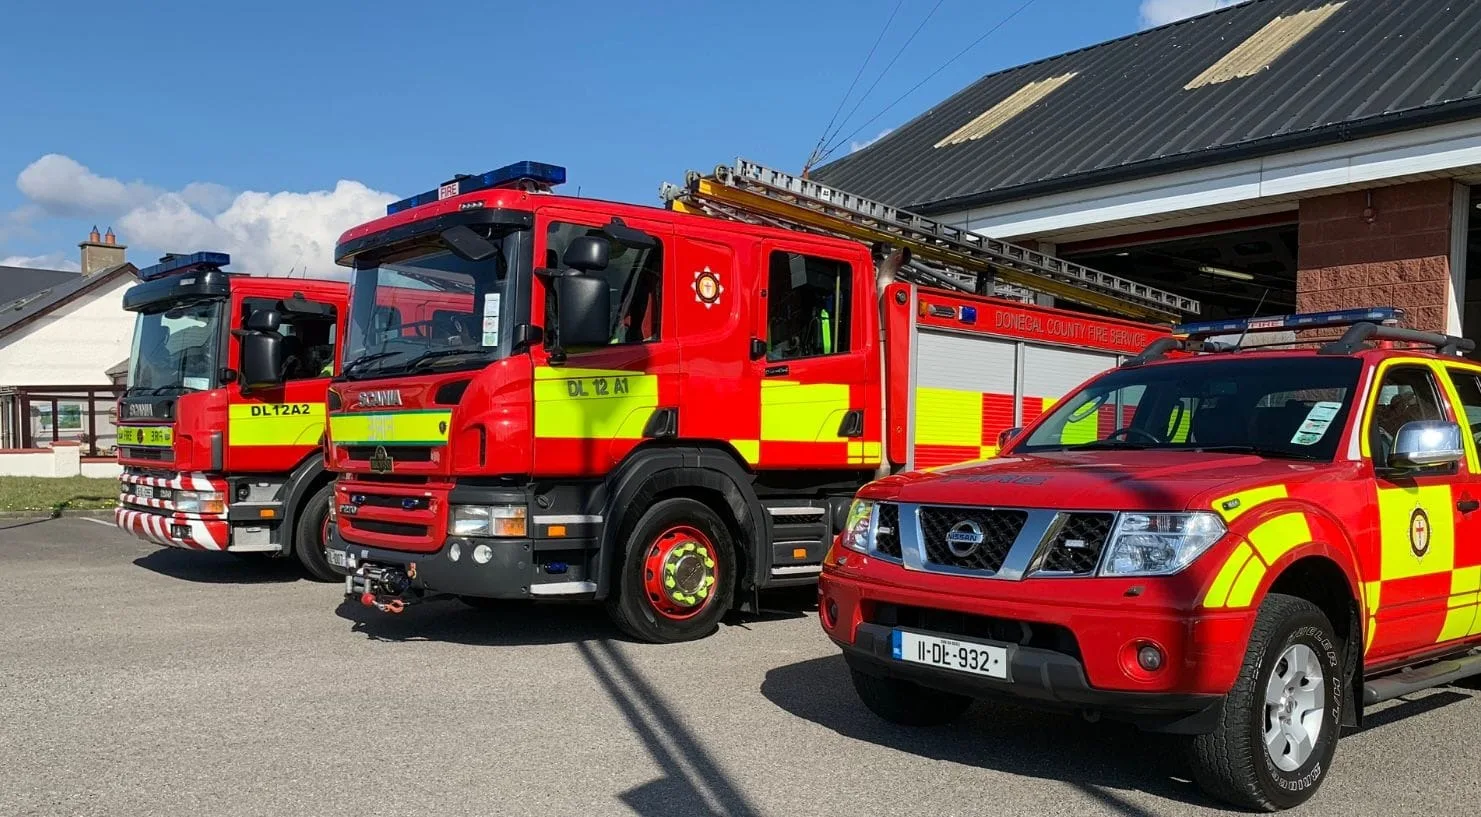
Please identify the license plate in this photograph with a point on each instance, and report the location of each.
(339, 558)
(972, 657)
(144, 491)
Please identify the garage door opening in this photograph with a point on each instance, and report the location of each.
(1235, 269)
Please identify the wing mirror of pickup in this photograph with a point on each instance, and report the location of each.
(1006, 435)
(1425, 444)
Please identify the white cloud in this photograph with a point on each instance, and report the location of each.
(53, 260)
(265, 233)
(855, 147)
(1159, 12)
(62, 186)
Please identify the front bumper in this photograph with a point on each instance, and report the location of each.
(1041, 677)
(1075, 640)
(515, 570)
(160, 522)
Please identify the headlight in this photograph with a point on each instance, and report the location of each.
(856, 528)
(1158, 544)
(487, 520)
(200, 502)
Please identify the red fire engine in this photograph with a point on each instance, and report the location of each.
(221, 428)
(554, 397)
(1245, 547)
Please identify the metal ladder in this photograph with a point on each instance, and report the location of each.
(962, 260)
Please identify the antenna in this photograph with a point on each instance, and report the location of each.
(1258, 304)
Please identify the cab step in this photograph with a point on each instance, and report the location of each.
(1415, 679)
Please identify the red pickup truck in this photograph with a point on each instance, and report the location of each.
(1244, 546)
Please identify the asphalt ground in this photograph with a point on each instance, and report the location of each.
(141, 681)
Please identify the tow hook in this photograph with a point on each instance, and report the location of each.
(381, 586)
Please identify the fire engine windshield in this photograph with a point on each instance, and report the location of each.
(176, 348)
(428, 310)
(1294, 407)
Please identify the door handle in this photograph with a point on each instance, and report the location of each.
(1467, 505)
(852, 425)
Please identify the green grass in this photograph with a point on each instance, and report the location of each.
(57, 493)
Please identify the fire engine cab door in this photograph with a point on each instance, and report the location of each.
(812, 320)
(273, 429)
(597, 405)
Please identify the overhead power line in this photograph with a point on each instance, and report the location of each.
(844, 100)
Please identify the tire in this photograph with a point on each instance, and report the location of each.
(908, 703)
(1291, 637)
(678, 573)
(309, 536)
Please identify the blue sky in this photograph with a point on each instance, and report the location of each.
(266, 128)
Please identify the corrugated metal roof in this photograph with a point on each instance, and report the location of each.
(1370, 67)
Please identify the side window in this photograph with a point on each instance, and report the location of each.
(308, 340)
(634, 277)
(807, 306)
(1468, 386)
(1406, 394)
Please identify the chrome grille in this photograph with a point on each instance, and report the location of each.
(887, 532)
(1076, 548)
(969, 538)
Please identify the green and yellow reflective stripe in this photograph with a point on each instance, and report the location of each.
(410, 427)
(149, 436)
(274, 424)
(803, 412)
(608, 404)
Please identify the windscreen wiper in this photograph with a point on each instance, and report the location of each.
(360, 361)
(1259, 451)
(425, 359)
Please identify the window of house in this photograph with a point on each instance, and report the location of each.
(807, 306)
(634, 277)
(308, 340)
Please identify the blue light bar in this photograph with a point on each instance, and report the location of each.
(541, 175)
(1309, 320)
(173, 264)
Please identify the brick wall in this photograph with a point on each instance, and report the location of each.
(1397, 255)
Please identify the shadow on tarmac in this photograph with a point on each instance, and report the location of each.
(220, 568)
(1098, 758)
(492, 622)
(693, 783)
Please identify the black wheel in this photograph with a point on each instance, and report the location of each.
(1274, 744)
(908, 703)
(678, 573)
(311, 536)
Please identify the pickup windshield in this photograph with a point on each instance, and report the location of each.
(1293, 407)
(429, 310)
(176, 348)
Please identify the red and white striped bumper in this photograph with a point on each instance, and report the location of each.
(163, 528)
(158, 521)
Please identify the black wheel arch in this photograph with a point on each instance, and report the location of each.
(711, 475)
(306, 478)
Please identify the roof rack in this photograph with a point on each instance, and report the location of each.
(1363, 325)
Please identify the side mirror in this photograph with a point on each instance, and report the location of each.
(1426, 443)
(262, 360)
(1006, 435)
(264, 320)
(587, 254)
(584, 306)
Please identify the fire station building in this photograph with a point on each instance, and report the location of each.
(1269, 157)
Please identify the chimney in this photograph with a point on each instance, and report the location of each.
(101, 252)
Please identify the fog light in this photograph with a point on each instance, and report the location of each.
(455, 552)
(482, 554)
(1149, 658)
